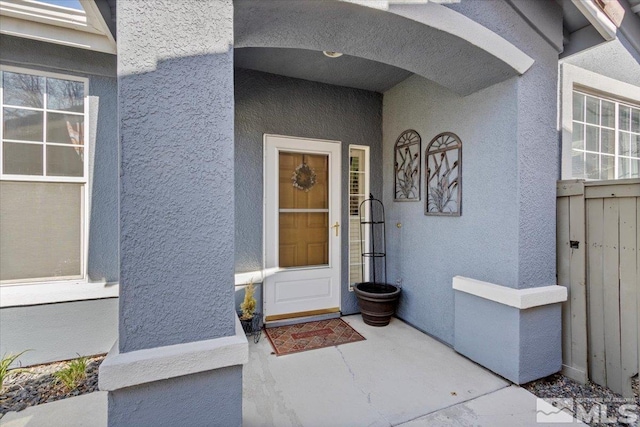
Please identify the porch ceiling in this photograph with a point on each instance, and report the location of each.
(349, 71)
(426, 39)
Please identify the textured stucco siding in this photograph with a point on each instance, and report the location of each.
(520, 345)
(175, 82)
(212, 398)
(266, 103)
(482, 243)
(100, 69)
(537, 135)
(59, 331)
(64, 330)
(615, 59)
(506, 234)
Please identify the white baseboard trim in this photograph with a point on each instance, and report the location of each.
(120, 370)
(518, 298)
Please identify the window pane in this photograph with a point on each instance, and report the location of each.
(607, 141)
(608, 114)
(592, 139)
(578, 136)
(40, 227)
(65, 95)
(577, 165)
(624, 122)
(635, 120)
(623, 144)
(65, 128)
(24, 125)
(623, 168)
(21, 159)
(593, 110)
(592, 167)
(24, 90)
(578, 106)
(634, 146)
(354, 205)
(64, 161)
(628, 168)
(608, 167)
(304, 181)
(634, 168)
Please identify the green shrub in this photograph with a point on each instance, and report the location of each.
(5, 362)
(73, 374)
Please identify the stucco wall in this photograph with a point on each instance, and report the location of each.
(59, 331)
(615, 59)
(483, 242)
(175, 104)
(267, 103)
(64, 330)
(212, 398)
(100, 69)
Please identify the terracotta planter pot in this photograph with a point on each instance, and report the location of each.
(377, 301)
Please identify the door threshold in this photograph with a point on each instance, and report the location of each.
(304, 319)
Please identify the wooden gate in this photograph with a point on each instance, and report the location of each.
(598, 261)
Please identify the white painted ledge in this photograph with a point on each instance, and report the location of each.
(120, 370)
(518, 298)
(55, 292)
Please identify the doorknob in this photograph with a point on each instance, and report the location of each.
(336, 226)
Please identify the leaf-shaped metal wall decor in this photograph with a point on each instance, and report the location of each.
(443, 175)
(407, 162)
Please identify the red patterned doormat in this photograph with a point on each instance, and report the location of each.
(311, 335)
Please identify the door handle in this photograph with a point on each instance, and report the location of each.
(336, 226)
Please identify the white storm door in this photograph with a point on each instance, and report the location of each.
(302, 227)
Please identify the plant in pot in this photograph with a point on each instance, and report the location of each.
(377, 299)
(248, 308)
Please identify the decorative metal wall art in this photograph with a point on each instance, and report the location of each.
(443, 175)
(304, 177)
(407, 162)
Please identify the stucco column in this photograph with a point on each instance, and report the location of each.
(178, 359)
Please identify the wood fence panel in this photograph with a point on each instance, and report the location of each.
(611, 281)
(598, 248)
(578, 292)
(564, 277)
(595, 291)
(628, 292)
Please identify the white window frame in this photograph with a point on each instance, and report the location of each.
(84, 29)
(367, 237)
(581, 80)
(85, 181)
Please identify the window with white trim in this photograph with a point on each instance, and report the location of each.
(358, 192)
(43, 176)
(606, 138)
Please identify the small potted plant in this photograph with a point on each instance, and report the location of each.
(248, 308)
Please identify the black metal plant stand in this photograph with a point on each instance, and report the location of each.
(252, 327)
(377, 299)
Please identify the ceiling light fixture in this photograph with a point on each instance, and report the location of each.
(331, 54)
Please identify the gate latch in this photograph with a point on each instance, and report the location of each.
(574, 244)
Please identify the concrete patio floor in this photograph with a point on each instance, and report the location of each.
(397, 376)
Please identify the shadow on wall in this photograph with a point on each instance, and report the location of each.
(103, 223)
(176, 200)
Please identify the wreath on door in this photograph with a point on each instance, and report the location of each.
(304, 177)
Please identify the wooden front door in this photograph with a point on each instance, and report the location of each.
(302, 227)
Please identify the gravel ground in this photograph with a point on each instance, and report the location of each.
(559, 386)
(38, 385)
